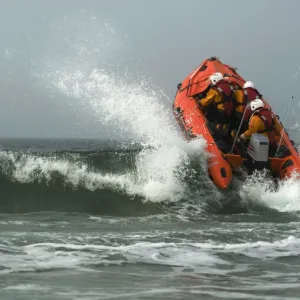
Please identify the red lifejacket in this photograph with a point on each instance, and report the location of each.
(250, 94)
(226, 90)
(268, 119)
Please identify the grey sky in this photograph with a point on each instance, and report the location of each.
(159, 40)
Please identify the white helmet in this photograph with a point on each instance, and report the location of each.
(255, 104)
(216, 77)
(249, 84)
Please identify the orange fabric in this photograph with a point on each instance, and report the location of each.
(198, 80)
(213, 96)
(256, 124)
(194, 121)
(234, 160)
(239, 98)
(277, 125)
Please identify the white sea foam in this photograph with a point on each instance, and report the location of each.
(48, 256)
(133, 112)
(260, 189)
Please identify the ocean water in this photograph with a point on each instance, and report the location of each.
(132, 215)
(88, 219)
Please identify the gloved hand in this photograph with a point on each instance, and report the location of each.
(241, 139)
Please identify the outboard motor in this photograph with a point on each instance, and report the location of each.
(258, 151)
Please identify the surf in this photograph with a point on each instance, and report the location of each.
(166, 169)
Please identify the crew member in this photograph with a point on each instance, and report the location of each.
(242, 98)
(262, 121)
(219, 100)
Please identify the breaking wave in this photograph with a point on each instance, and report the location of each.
(104, 178)
(166, 169)
(260, 190)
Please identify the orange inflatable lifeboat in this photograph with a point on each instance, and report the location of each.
(221, 166)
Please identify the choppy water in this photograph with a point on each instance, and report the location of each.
(80, 256)
(134, 217)
(76, 224)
